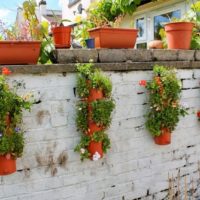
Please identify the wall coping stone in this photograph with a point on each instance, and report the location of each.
(114, 60)
(118, 67)
(122, 55)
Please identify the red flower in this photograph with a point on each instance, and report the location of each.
(143, 83)
(198, 114)
(6, 71)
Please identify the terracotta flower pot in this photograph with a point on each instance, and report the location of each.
(155, 44)
(8, 119)
(179, 35)
(95, 149)
(114, 38)
(19, 52)
(62, 36)
(159, 83)
(164, 138)
(95, 94)
(7, 165)
(93, 127)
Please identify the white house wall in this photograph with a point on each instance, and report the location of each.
(71, 12)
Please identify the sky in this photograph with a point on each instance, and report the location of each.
(8, 8)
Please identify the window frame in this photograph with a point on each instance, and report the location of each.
(141, 39)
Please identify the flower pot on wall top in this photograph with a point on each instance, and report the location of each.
(19, 52)
(164, 138)
(62, 36)
(114, 38)
(179, 35)
(7, 165)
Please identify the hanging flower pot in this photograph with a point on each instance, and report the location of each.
(164, 138)
(7, 165)
(8, 119)
(114, 38)
(95, 94)
(62, 36)
(96, 151)
(93, 127)
(179, 35)
(19, 52)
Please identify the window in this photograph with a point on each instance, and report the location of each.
(160, 20)
(72, 2)
(140, 25)
(141, 45)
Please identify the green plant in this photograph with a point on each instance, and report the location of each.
(98, 80)
(11, 108)
(81, 31)
(98, 136)
(81, 116)
(101, 112)
(107, 12)
(39, 31)
(164, 95)
(88, 78)
(193, 15)
(96, 112)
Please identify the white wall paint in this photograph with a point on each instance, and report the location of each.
(134, 166)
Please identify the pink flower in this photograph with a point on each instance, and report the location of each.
(143, 83)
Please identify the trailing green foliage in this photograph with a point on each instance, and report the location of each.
(164, 95)
(101, 112)
(11, 108)
(97, 112)
(82, 116)
(88, 78)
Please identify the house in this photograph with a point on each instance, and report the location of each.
(43, 14)
(148, 18)
(73, 8)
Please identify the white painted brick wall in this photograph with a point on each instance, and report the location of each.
(134, 167)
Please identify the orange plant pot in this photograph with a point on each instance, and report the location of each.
(179, 35)
(95, 94)
(62, 36)
(92, 128)
(19, 52)
(95, 147)
(114, 38)
(7, 166)
(8, 119)
(155, 44)
(164, 138)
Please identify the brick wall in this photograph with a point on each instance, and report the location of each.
(134, 167)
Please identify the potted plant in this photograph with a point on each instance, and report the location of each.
(106, 15)
(184, 33)
(93, 111)
(61, 34)
(164, 107)
(20, 44)
(179, 34)
(11, 134)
